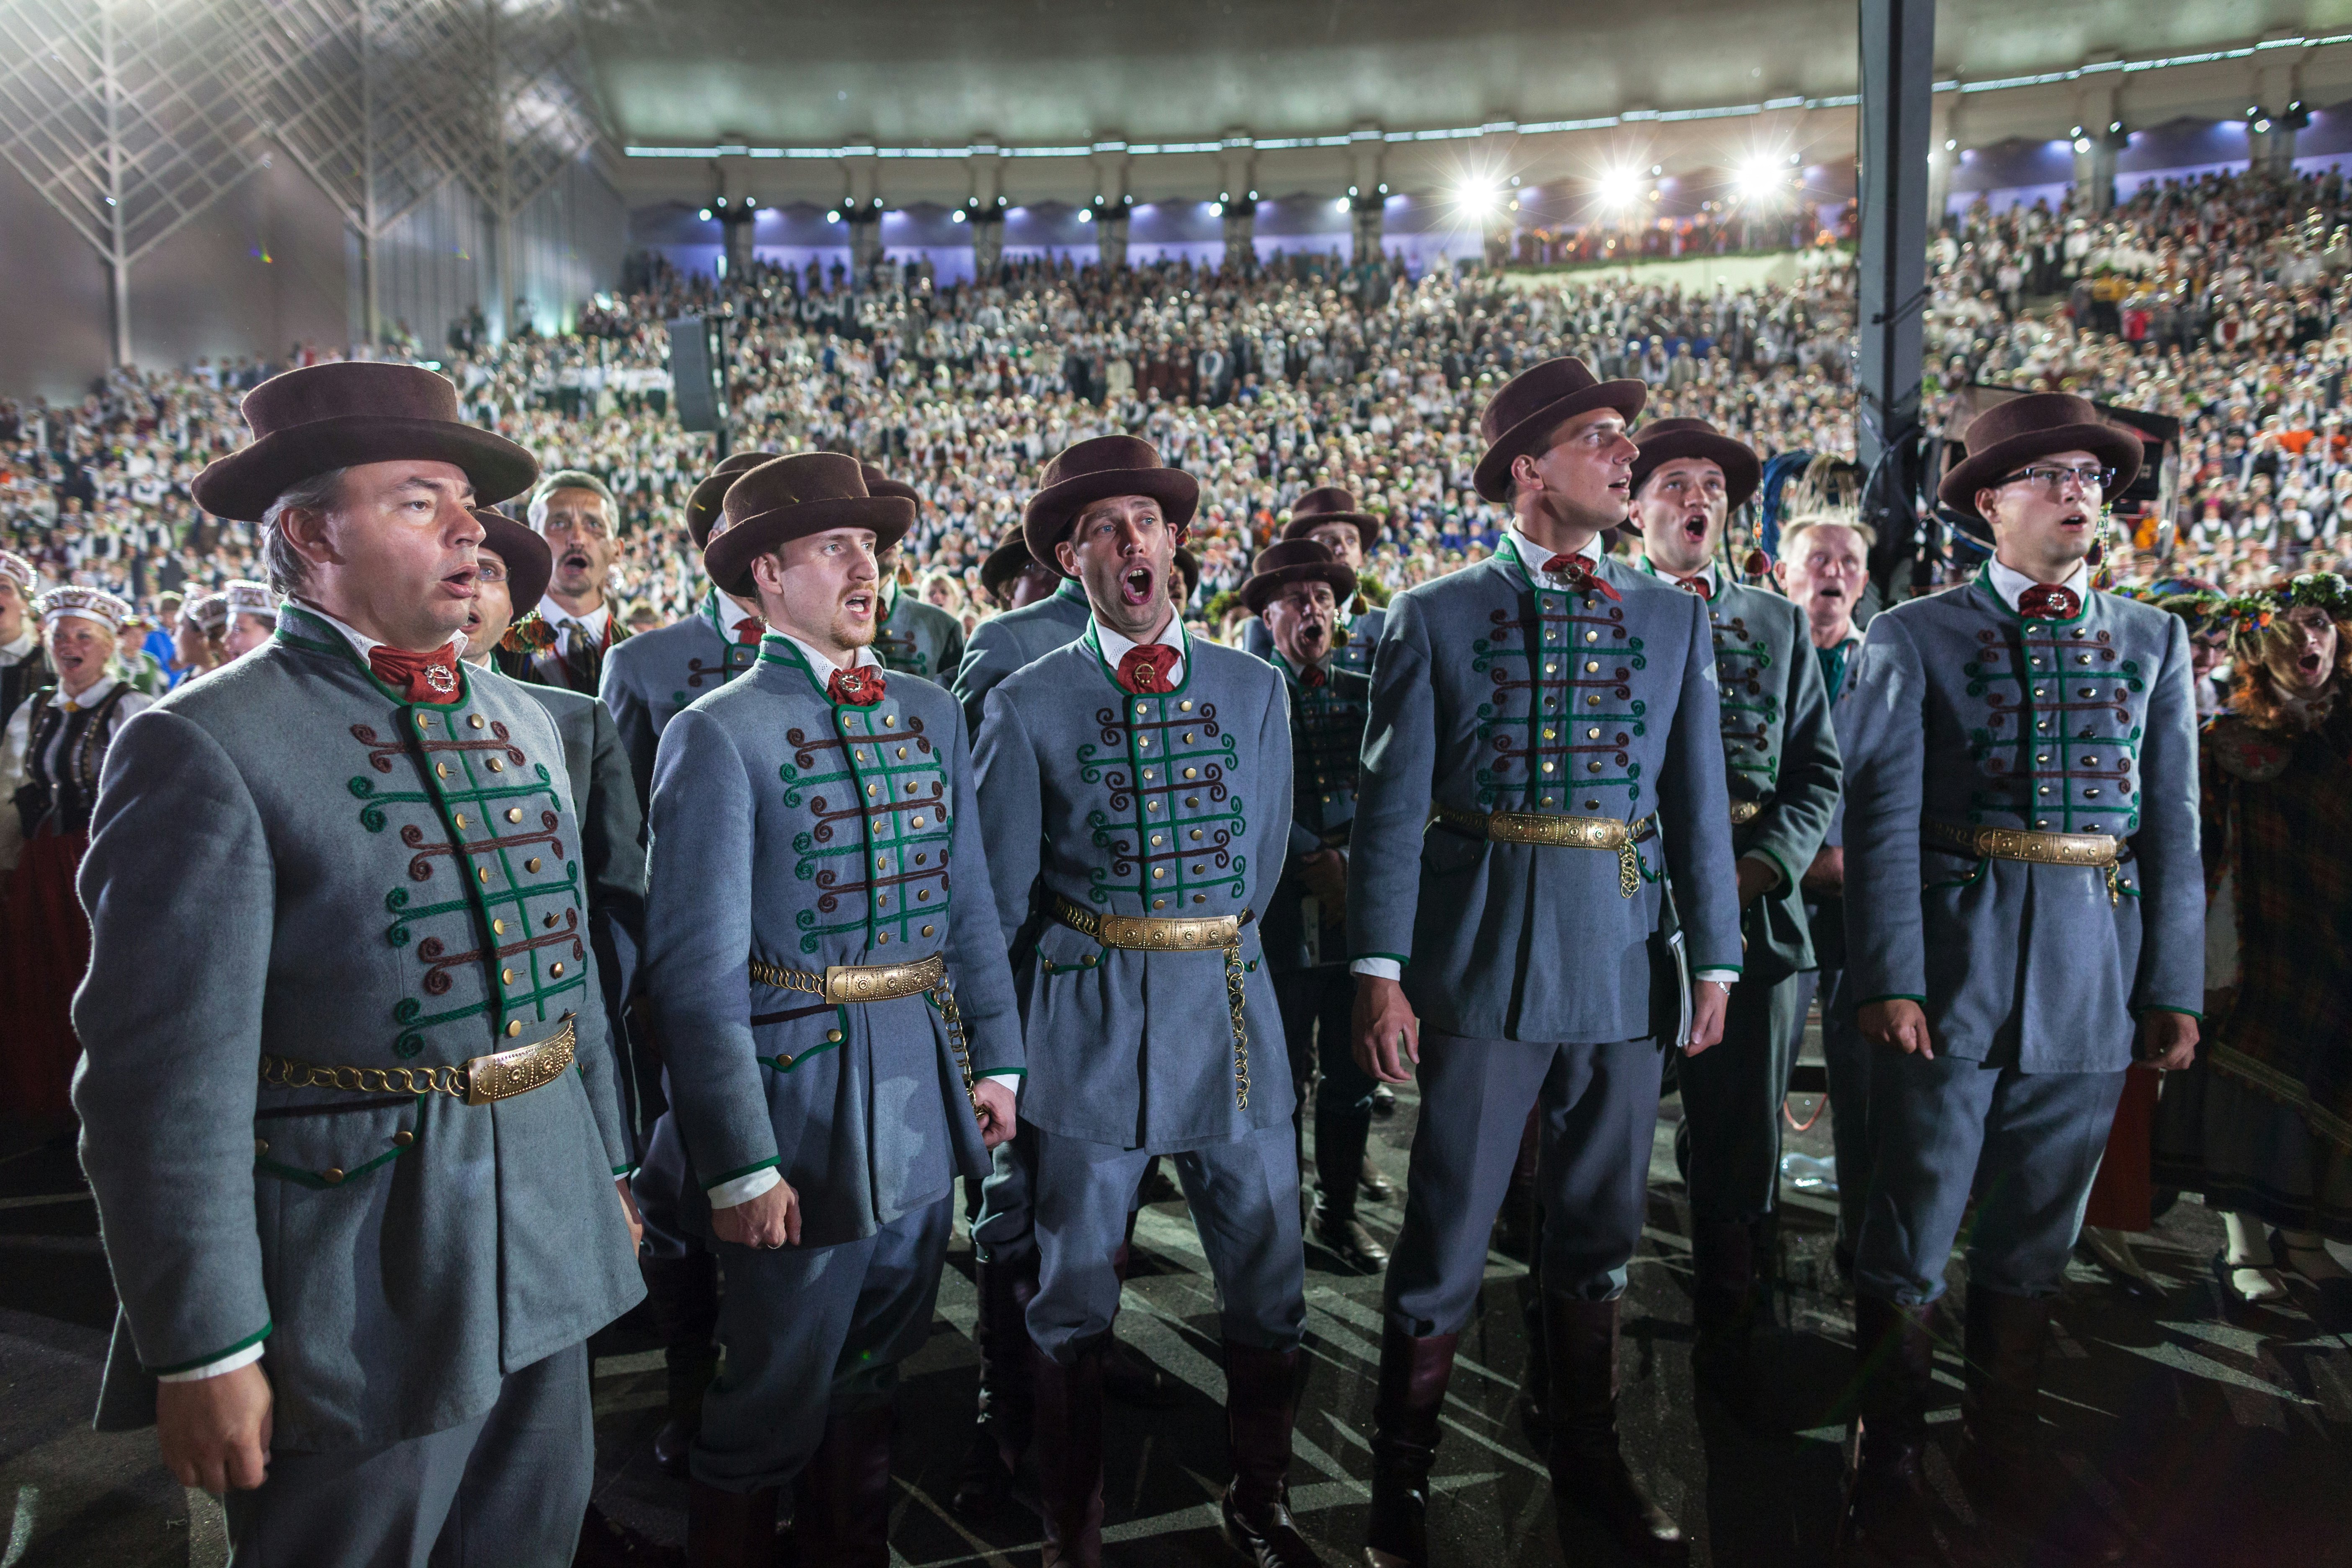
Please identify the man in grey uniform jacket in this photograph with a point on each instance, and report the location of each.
(841, 1030)
(2024, 914)
(648, 680)
(1003, 644)
(1328, 515)
(1137, 789)
(354, 1153)
(1781, 764)
(1543, 759)
(915, 638)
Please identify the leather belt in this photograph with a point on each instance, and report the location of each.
(2097, 851)
(501, 1076)
(1179, 933)
(1744, 812)
(845, 983)
(1559, 832)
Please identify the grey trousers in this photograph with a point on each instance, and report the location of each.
(810, 1332)
(2024, 1145)
(1244, 1195)
(1596, 1111)
(505, 1490)
(1732, 1094)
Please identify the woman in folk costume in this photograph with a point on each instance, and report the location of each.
(50, 757)
(2263, 1126)
(196, 640)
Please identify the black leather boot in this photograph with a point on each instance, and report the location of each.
(841, 1502)
(1339, 1168)
(1001, 1433)
(1128, 1375)
(1261, 1401)
(1723, 1310)
(1069, 1454)
(1888, 1521)
(730, 1530)
(2003, 1460)
(1587, 1463)
(1413, 1375)
(682, 1294)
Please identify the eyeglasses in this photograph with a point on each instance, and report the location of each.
(2053, 481)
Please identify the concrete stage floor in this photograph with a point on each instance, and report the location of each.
(2220, 1445)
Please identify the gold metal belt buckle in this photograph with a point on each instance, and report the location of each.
(846, 982)
(1744, 812)
(522, 1070)
(1563, 832)
(2095, 851)
(1155, 934)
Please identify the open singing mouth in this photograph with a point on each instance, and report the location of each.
(858, 602)
(1136, 585)
(2309, 663)
(575, 561)
(1695, 527)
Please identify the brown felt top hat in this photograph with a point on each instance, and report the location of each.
(1296, 561)
(1532, 404)
(878, 483)
(321, 417)
(790, 497)
(1006, 562)
(2009, 435)
(530, 562)
(1327, 505)
(1096, 470)
(702, 503)
(1663, 440)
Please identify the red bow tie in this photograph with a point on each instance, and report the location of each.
(1578, 576)
(1695, 584)
(2044, 603)
(1144, 669)
(750, 629)
(860, 687)
(1312, 676)
(426, 677)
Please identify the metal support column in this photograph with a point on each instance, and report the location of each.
(118, 251)
(1898, 45)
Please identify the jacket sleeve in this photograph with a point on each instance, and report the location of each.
(988, 659)
(612, 835)
(1805, 798)
(171, 1034)
(2172, 887)
(697, 941)
(1394, 785)
(1012, 810)
(1885, 725)
(633, 720)
(1695, 808)
(977, 967)
(1270, 853)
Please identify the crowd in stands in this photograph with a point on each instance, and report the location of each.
(2221, 302)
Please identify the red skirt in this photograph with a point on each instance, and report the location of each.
(2124, 1196)
(44, 953)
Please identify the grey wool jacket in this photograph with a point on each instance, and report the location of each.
(1957, 711)
(649, 677)
(802, 835)
(1003, 644)
(356, 881)
(1326, 737)
(1174, 803)
(917, 638)
(1780, 752)
(1492, 693)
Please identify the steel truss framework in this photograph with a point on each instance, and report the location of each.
(132, 117)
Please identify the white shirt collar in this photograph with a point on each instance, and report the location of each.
(2009, 584)
(90, 698)
(16, 653)
(1115, 647)
(594, 623)
(1533, 555)
(364, 644)
(821, 665)
(1706, 575)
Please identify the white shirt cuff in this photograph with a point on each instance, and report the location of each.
(1720, 976)
(744, 1189)
(229, 1362)
(1010, 1081)
(1377, 968)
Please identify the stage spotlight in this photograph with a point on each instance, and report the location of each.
(704, 215)
(1340, 205)
(1085, 215)
(956, 216)
(1760, 179)
(1477, 199)
(1619, 189)
(834, 217)
(1216, 209)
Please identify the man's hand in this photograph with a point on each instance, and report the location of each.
(2168, 1041)
(772, 1220)
(1709, 999)
(1387, 1033)
(993, 1102)
(1755, 879)
(1325, 874)
(629, 1211)
(215, 1430)
(1825, 877)
(1899, 1022)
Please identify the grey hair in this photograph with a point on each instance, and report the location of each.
(570, 479)
(289, 572)
(1828, 516)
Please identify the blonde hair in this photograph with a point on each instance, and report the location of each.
(1804, 522)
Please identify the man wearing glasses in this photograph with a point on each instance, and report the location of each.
(2024, 919)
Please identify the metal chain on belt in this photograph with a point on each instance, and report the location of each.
(950, 1014)
(1241, 1032)
(783, 979)
(285, 1072)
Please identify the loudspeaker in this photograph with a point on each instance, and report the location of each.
(694, 374)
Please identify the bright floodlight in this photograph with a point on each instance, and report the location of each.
(1620, 188)
(1761, 178)
(1478, 197)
